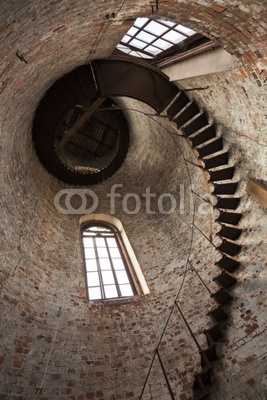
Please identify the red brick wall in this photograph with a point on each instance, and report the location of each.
(53, 343)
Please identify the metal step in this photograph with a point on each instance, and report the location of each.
(204, 136)
(228, 264)
(52, 98)
(222, 174)
(225, 188)
(213, 334)
(188, 113)
(208, 355)
(202, 378)
(229, 217)
(64, 94)
(225, 280)
(230, 232)
(218, 314)
(222, 297)
(213, 147)
(204, 395)
(217, 161)
(72, 82)
(229, 248)
(228, 203)
(197, 124)
(179, 103)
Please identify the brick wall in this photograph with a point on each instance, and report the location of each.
(53, 343)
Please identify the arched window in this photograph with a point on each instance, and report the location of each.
(109, 264)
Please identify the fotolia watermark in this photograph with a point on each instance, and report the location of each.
(86, 201)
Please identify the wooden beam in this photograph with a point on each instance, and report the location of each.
(79, 123)
(257, 191)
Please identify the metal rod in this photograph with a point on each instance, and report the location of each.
(165, 376)
(200, 277)
(204, 235)
(188, 327)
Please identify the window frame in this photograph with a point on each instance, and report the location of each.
(132, 267)
(188, 45)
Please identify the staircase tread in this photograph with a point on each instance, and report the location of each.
(230, 218)
(222, 296)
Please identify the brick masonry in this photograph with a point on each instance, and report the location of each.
(54, 345)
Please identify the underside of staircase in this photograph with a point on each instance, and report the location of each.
(194, 124)
(121, 77)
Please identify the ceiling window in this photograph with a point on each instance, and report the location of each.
(148, 38)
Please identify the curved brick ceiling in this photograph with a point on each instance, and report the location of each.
(55, 345)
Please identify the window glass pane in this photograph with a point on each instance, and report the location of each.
(153, 50)
(88, 242)
(169, 23)
(92, 279)
(138, 44)
(102, 252)
(162, 44)
(94, 293)
(122, 277)
(135, 54)
(118, 263)
(110, 291)
(91, 265)
(142, 55)
(185, 30)
(102, 229)
(89, 234)
(105, 269)
(100, 242)
(132, 31)
(146, 37)
(156, 28)
(123, 48)
(108, 277)
(89, 252)
(104, 263)
(114, 252)
(111, 242)
(147, 31)
(174, 37)
(139, 22)
(126, 290)
(126, 39)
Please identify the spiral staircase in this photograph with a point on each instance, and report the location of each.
(195, 126)
(123, 76)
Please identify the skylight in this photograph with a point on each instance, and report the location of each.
(148, 38)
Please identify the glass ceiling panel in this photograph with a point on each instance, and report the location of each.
(152, 37)
(185, 30)
(140, 55)
(156, 28)
(124, 49)
(162, 44)
(153, 50)
(146, 37)
(126, 39)
(132, 31)
(168, 23)
(174, 37)
(138, 43)
(137, 54)
(139, 22)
